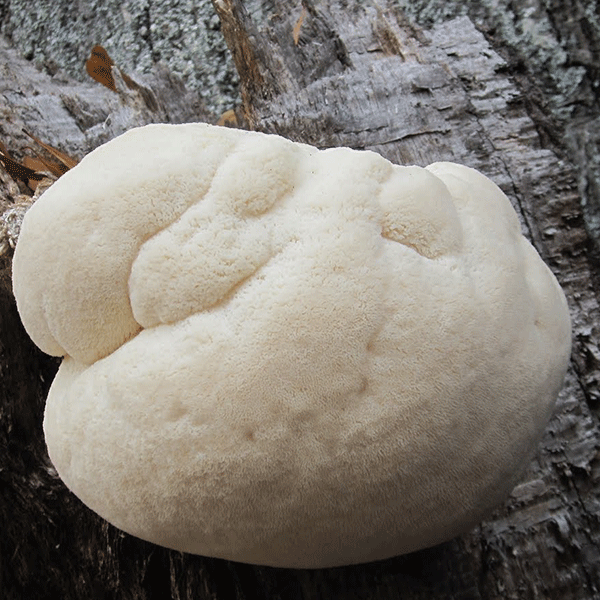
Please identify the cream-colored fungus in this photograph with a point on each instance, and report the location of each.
(286, 356)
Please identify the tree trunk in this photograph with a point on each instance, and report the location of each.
(358, 74)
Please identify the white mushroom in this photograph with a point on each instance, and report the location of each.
(286, 356)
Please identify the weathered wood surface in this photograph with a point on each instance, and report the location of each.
(553, 50)
(361, 75)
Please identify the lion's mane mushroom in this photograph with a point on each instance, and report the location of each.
(286, 356)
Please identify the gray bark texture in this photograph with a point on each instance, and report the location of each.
(475, 84)
(138, 34)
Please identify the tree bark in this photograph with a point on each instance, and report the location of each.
(358, 74)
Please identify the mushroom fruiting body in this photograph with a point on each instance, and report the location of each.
(287, 356)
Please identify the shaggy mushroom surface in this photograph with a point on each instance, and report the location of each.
(285, 356)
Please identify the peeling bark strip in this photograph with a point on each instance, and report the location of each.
(361, 74)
